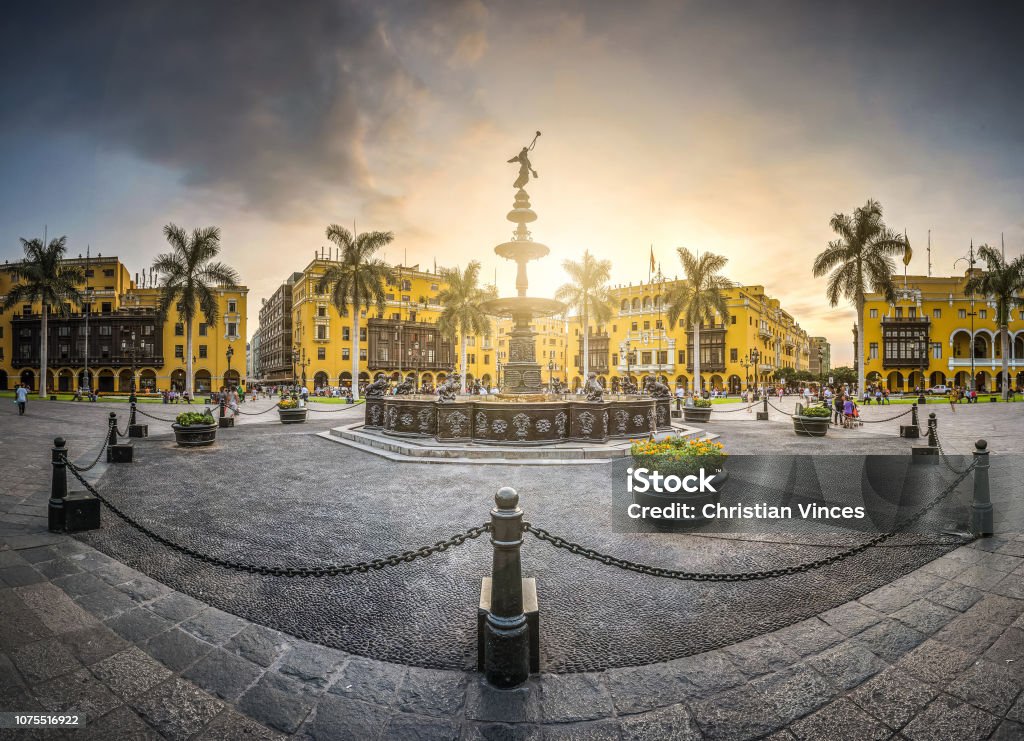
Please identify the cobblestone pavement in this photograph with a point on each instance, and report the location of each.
(938, 653)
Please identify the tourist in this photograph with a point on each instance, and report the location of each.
(885, 395)
(837, 408)
(21, 398)
(952, 399)
(233, 401)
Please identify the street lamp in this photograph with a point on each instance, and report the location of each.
(229, 353)
(126, 350)
(755, 357)
(551, 373)
(295, 360)
(499, 375)
(972, 313)
(746, 370)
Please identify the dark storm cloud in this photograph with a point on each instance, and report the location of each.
(269, 99)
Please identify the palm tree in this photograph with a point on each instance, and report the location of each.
(357, 281)
(587, 294)
(188, 275)
(45, 278)
(698, 298)
(860, 261)
(461, 298)
(1003, 282)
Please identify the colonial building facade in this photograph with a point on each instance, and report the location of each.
(115, 338)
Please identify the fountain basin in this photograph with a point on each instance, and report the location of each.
(494, 421)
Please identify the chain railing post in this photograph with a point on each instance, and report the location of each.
(928, 453)
(981, 507)
(933, 431)
(506, 632)
(117, 452)
(224, 421)
(762, 416)
(58, 486)
(134, 428)
(913, 430)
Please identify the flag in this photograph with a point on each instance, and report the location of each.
(652, 258)
(907, 253)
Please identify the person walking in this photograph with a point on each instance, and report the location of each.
(21, 398)
(233, 401)
(952, 400)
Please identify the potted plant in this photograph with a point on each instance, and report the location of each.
(812, 421)
(681, 457)
(290, 412)
(697, 410)
(195, 429)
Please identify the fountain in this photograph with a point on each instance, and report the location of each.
(523, 414)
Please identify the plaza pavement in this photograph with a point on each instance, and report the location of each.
(938, 653)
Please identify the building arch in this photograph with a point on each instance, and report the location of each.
(636, 304)
(320, 379)
(1017, 346)
(894, 381)
(962, 379)
(426, 378)
(84, 379)
(65, 380)
(441, 378)
(647, 303)
(364, 376)
(28, 378)
(735, 384)
(231, 378)
(603, 381)
(625, 305)
(105, 381)
(960, 342)
(344, 378)
(938, 378)
(3, 380)
(916, 379)
(983, 344)
(147, 380)
(716, 382)
(124, 380)
(203, 382)
(178, 380)
(485, 379)
(682, 380)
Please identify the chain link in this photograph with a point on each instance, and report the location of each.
(741, 409)
(590, 553)
(361, 567)
(887, 419)
(73, 467)
(945, 458)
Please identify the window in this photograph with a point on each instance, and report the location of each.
(382, 352)
(202, 351)
(912, 312)
(983, 313)
(179, 351)
(321, 353)
(471, 358)
(898, 312)
(961, 313)
(321, 311)
(64, 349)
(346, 333)
(647, 325)
(26, 310)
(179, 329)
(321, 332)
(645, 357)
(147, 330)
(108, 273)
(232, 329)
(487, 359)
(105, 330)
(105, 307)
(662, 357)
(345, 354)
(203, 328)
(658, 324)
(873, 313)
(682, 356)
(733, 355)
(937, 350)
(732, 319)
(632, 326)
(64, 331)
(615, 358)
(90, 273)
(873, 351)
(406, 286)
(362, 336)
(232, 307)
(362, 353)
(936, 313)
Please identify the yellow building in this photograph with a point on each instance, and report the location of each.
(404, 341)
(638, 341)
(934, 335)
(116, 330)
(550, 344)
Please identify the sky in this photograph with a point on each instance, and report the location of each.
(738, 128)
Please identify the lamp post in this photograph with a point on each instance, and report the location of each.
(295, 360)
(551, 373)
(755, 357)
(629, 362)
(228, 354)
(499, 375)
(972, 313)
(746, 370)
(127, 349)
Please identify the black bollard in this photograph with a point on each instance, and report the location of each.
(506, 631)
(224, 421)
(981, 507)
(58, 486)
(135, 429)
(762, 416)
(913, 430)
(928, 453)
(117, 452)
(933, 431)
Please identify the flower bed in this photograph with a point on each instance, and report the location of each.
(195, 429)
(680, 456)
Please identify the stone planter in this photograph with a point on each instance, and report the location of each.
(696, 414)
(810, 426)
(294, 416)
(194, 436)
(697, 500)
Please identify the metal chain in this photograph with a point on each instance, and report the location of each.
(945, 458)
(329, 411)
(887, 419)
(151, 416)
(256, 414)
(73, 467)
(741, 409)
(361, 567)
(658, 571)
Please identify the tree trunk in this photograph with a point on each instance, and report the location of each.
(190, 382)
(462, 361)
(696, 358)
(1004, 332)
(355, 353)
(860, 345)
(42, 351)
(586, 344)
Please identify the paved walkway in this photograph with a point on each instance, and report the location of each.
(937, 654)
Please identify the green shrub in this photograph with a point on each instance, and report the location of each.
(187, 419)
(701, 403)
(816, 412)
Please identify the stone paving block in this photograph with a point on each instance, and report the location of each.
(1001, 562)
(924, 616)
(1012, 586)
(214, 626)
(93, 644)
(705, 674)
(176, 649)
(935, 662)
(674, 722)
(41, 555)
(316, 665)
(794, 692)
(20, 576)
(643, 688)
(948, 718)
(176, 709)
(76, 585)
(106, 603)
(738, 713)
(989, 686)
(1008, 730)
(955, 596)
(342, 718)
(432, 692)
(1017, 711)
(809, 636)
(20, 624)
(519, 705)
(1008, 650)
(11, 683)
(44, 660)
(138, 625)
(847, 665)
(78, 692)
(176, 607)
(761, 655)
(56, 609)
(260, 645)
(851, 618)
(945, 568)
(501, 732)
(601, 730)
(997, 609)
(60, 567)
(130, 673)
(11, 558)
(278, 703)
(1012, 548)
(890, 598)
(405, 727)
(566, 698)
(144, 589)
(120, 723)
(232, 726)
(115, 572)
(979, 577)
(92, 560)
(223, 675)
(840, 720)
(889, 639)
(893, 696)
(973, 633)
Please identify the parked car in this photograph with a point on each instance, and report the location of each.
(940, 389)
